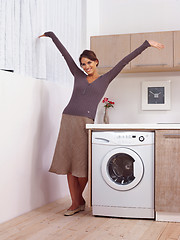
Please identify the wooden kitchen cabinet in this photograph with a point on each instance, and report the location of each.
(110, 50)
(177, 50)
(167, 171)
(152, 59)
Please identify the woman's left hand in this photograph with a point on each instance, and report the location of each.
(156, 44)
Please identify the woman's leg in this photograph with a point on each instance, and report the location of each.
(82, 184)
(76, 188)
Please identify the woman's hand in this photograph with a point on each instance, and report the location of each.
(42, 36)
(156, 44)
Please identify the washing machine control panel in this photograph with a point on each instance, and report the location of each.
(123, 138)
(131, 138)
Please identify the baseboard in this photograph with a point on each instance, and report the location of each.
(167, 217)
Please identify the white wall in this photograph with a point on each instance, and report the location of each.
(30, 112)
(92, 19)
(133, 16)
(125, 91)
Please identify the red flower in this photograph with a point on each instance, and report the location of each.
(105, 100)
(108, 103)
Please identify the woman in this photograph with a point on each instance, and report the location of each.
(70, 155)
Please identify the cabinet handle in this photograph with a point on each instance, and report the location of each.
(139, 65)
(105, 66)
(145, 65)
(172, 135)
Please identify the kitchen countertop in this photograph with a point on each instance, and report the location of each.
(133, 126)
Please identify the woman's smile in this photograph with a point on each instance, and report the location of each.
(88, 66)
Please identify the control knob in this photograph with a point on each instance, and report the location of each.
(141, 138)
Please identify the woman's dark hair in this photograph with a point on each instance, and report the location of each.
(88, 54)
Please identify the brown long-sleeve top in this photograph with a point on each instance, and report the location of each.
(86, 96)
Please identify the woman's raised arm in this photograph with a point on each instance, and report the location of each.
(69, 60)
(117, 69)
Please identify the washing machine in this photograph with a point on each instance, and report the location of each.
(123, 174)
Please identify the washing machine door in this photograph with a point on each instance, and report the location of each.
(122, 169)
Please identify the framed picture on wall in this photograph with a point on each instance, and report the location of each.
(156, 95)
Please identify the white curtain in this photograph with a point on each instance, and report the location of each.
(6, 35)
(22, 21)
(64, 18)
(29, 53)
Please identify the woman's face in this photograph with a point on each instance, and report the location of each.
(88, 65)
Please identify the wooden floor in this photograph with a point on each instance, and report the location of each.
(48, 223)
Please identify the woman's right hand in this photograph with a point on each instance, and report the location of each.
(42, 36)
(47, 34)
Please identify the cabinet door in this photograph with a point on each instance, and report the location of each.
(152, 59)
(167, 171)
(177, 50)
(110, 50)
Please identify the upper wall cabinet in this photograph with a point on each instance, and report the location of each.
(177, 50)
(110, 50)
(153, 59)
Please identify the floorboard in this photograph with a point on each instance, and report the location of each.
(49, 223)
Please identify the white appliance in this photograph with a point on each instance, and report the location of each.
(123, 174)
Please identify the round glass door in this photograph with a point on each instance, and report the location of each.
(122, 169)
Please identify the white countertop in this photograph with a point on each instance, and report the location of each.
(146, 126)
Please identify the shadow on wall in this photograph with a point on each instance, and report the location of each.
(45, 186)
(30, 117)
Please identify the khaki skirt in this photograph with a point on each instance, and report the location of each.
(71, 152)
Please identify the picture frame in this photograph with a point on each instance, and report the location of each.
(156, 95)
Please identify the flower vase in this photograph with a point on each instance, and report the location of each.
(106, 116)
